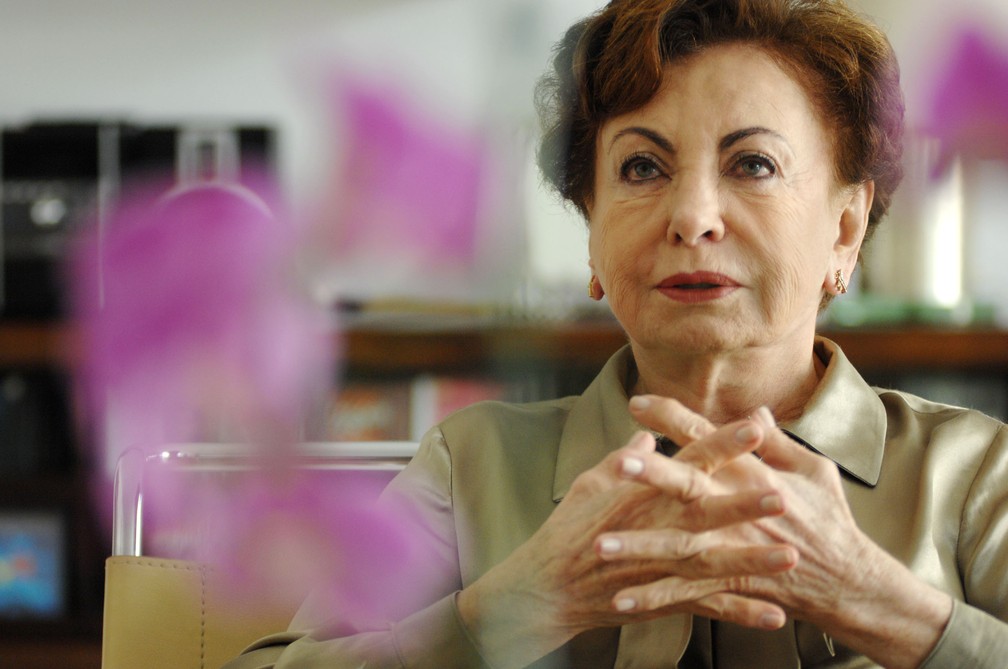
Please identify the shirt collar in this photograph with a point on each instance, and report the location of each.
(844, 420)
(599, 423)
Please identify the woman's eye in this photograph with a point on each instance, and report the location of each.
(756, 167)
(639, 169)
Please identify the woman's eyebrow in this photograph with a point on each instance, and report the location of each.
(662, 143)
(739, 135)
(726, 141)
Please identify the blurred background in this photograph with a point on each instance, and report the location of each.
(98, 93)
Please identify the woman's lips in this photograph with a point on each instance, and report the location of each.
(697, 287)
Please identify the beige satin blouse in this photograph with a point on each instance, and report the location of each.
(928, 482)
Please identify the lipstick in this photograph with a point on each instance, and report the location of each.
(694, 287)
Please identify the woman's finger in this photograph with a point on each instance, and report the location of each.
(696, 556)
(783, 453)
(716, 511)
(686, 475)
(650, 544)
(670, 418)
(780, 451)
(722, 446)
(609, 472)
(679, 480)
(742, 611)
(710, 512)
(711, 598)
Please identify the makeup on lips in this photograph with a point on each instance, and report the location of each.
(697, 286)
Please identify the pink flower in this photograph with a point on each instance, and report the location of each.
(412, 184)
(967, 105)
(192, 317)
(408, 205)
(192, 321)
(277, 538)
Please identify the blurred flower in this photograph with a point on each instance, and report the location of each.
(191, 316)
(412, 184)
(408, 200)
(195, 325)
(190, 319)
(322, 537)
(276, 535)
(967, 106)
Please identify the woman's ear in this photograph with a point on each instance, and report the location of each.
(851, 228)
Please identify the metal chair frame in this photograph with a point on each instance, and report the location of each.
(128, 495)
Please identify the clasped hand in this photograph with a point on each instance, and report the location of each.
(711, 531)
(762, 535)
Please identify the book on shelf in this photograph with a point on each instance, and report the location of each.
(434, 398)
(403, 410)
(374, 411)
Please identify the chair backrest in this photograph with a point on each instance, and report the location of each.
(168, 612)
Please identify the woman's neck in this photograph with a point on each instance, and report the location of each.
(728, 386)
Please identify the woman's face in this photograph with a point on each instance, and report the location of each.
(715, 221)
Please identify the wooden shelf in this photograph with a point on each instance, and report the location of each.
(35, 344)
(920, 348)
(583, 345)
(45, 653)
(590, 345)
(564, 345)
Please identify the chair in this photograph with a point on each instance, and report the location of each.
(172, 613)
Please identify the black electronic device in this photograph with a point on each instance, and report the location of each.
(50, 183)
(58, 176)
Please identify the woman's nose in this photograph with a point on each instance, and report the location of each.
(694, 211)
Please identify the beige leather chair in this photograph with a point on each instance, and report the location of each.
(165, 613)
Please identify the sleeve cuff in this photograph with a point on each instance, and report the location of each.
(972, 638)
(435, 638)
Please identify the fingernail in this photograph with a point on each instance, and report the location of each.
(765, 417)
(610, 545)
(626, 604)
(771, 621)
(632, 466)
(771, 503)
(639, 402)
(746, 433)
(780, 558)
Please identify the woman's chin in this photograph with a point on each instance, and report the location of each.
(700, 335)
(691, 340)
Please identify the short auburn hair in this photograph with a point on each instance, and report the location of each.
(613, 62)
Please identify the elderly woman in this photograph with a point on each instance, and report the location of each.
(728, 492)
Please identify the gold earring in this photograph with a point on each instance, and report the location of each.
(591, 287)
(841, 285)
